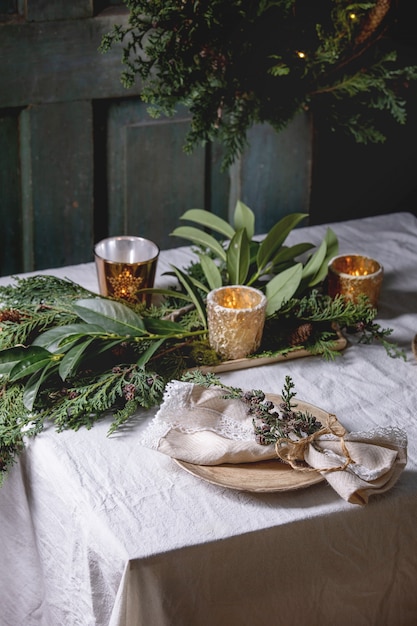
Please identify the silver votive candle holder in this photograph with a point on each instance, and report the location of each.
(125, 265)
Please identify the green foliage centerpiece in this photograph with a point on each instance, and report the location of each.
(68, 356)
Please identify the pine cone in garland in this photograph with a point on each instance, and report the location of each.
(10, 315)
(374, 19)
(300, 334)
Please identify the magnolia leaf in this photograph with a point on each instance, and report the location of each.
(197, 283)
(72, 359)
(314, 264)
(332, 249)
(211, 271)
(209, 220)
(35, 381)
(162, 327)
(238, 258)
(289, 253)
(113, 317)
(11, 356)
(244, 217)
(200, 238)
(188, 285)
(282, 287)
(35, 359)
(62, 337)
(275, 238)
(169, 293)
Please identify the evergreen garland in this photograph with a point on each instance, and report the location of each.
(235, 63)
(68, 357)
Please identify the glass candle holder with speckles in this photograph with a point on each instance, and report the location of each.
(125, 265)
(353, 275)
(236, 318)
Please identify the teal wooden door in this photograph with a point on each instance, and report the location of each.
(81, 159)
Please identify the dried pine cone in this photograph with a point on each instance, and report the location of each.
(10, 315)
(374, 19)
(300, 334)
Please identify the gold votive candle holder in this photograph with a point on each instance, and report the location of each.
(126, 264)
(236, 318)
(355, 275)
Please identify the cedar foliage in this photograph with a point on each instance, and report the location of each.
(236, 63)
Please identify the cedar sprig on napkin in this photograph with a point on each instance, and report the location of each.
(270, 425)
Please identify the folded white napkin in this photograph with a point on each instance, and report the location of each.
(198, 425)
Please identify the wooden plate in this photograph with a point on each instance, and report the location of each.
(262, 476)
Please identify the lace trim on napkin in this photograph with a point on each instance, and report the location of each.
(389, 435)
(179, 412)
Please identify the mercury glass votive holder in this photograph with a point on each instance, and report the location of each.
(354, 275)
(126, 264)
(236, 318)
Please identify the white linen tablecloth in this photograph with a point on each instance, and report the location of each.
(98, 530)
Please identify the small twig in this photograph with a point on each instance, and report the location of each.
(172, 317)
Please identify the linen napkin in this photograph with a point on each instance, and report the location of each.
(198, 425)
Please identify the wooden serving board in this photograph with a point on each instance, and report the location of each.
(239, 364)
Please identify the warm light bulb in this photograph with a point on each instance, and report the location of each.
(301, 55)
(352, 16)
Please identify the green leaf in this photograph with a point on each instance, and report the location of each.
(149, 352)
(169, 293)
(113, 317)
(72, 359)
(238, 258)
(35, 359)
(289, 253)
(197, 283)
(275, 238)
(314, 264)
(282, 287)
(332, 249)
(186, 282)
(244, 217)
(64, 336)
(162, 327)
(209, 220)
(10, 357)
(211, 271)
(200, 238)
(34, 383)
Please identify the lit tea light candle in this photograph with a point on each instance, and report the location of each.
(354, 275)
(236, 318)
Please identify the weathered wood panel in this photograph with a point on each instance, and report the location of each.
(90, 161)
(151, 180)
(44, 10)
(57, 188)
(354, 180)
(10, 211)
(59, 61)
(274, 175)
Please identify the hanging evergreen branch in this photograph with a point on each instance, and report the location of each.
(235, 63)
